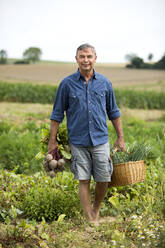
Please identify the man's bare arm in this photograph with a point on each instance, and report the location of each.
(119, 131)
(53, 133)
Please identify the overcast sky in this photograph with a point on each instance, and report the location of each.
(58, 27)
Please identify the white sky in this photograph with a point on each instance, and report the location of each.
(58, 27)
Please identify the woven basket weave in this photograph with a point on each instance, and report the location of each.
(128, 173)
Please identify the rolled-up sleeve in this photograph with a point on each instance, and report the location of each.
(113, 111)
(60, 103)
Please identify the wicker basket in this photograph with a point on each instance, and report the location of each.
(128, 173)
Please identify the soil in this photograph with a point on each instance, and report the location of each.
(54, 73)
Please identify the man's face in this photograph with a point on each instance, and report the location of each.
(86, 59)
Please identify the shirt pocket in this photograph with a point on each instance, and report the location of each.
(74, 98)
(100, 96)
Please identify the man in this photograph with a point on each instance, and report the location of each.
(87, 98)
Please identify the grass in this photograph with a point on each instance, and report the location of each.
(146, 115)
(159, 86)
(76, 234)
(18, 113)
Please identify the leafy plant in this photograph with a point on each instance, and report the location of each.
(62, 138)
(134, 152)
(18, 147)
(50, 201)
(4, 127)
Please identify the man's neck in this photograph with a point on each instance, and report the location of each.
(87, 75)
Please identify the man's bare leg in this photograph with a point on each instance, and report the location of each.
(100, 191)
(85, 198)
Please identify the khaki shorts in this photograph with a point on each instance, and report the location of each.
(91, 161)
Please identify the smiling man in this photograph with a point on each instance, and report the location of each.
(88, 98)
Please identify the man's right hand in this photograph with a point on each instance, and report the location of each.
(52, 146)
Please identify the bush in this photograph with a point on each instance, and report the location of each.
(147, 66)
(21, 61)
(49, 198)
(160, 64)
(129, 66)
(137, 62)
(39, 196)
(50, 203)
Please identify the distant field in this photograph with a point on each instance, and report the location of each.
(52, 73)
(19, 113)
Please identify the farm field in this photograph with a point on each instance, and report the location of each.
(37, 211)
(132, 216)
(19, 113)
(55, 72)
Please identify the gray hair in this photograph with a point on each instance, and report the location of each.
(85, 46)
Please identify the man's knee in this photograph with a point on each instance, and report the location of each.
(84, 182)
(102, 184)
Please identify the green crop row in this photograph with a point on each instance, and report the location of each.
(26, 92)
(140, 99)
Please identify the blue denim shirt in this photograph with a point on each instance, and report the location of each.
(87, 107)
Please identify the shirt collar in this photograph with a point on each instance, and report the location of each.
(78, 75)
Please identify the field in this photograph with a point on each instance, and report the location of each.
(53, 74)
(37, 211)
(19, 113)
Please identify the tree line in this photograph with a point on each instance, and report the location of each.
(30, 55)
(136, 62)
(33, 54)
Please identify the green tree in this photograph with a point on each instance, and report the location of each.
(150, 56)
(32, 54)
(135, 61)
(3, 56)
(160, 64)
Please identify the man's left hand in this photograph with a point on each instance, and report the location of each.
(120, 144)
